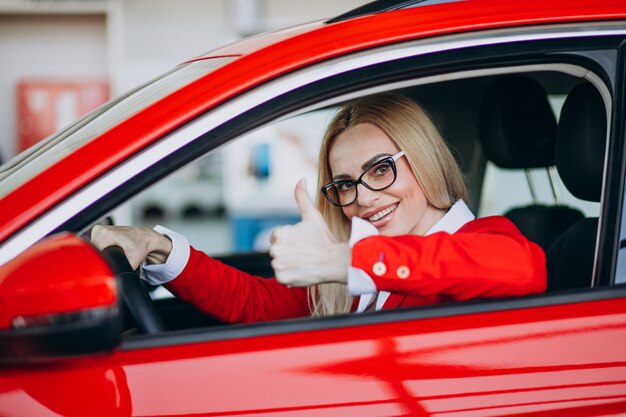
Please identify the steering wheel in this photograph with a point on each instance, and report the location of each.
(134, 294)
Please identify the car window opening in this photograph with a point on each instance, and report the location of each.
(250, 153)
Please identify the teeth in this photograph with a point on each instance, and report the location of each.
(382, 213)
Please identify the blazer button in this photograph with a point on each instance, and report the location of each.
(379, 269)
(403, 272)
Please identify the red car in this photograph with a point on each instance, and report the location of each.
(525, 85)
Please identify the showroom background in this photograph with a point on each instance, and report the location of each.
(62, 58)
(59, 59)
(68, 48)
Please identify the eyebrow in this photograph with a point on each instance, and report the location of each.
(365, 165)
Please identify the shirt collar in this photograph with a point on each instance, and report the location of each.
(455, 218)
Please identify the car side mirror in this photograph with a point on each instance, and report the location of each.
(58, 299)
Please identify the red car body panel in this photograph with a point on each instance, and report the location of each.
(517, 365)
(62, 179)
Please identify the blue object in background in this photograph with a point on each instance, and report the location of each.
(260, 162)
(246, 229)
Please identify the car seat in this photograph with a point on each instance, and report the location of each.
(453, 107)
(580, 148)
(518, 131)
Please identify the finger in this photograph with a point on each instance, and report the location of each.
(101, 237)
(278, 234)
(133, 260)
(305, 204)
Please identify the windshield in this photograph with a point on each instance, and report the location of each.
(52, 149)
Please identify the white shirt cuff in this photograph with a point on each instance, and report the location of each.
(158, 274)
(359, 282)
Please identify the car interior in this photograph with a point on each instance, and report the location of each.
(545, 127)
(518, 130)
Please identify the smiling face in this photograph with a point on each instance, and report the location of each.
(400, 209)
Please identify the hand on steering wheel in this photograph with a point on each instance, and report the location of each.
(134, 294)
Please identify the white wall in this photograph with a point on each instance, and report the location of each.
(283, 13)
(151, 36)
(39, 46)
(128, 41)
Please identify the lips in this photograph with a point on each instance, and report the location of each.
(382, 213)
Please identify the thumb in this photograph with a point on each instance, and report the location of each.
(305, 204)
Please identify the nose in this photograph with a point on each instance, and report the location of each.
(365, 196)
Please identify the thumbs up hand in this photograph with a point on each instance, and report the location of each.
(306, 253)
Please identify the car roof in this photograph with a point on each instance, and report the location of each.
(270, 56)
(376, 7)
(388, 21)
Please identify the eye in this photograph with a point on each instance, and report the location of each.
(344, 186)
(382, 169)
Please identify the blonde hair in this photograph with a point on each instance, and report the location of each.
(428, 155)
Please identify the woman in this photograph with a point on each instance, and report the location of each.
(389, 225)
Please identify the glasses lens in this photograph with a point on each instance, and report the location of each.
(377, 177)
(381, 175)
(341, 193)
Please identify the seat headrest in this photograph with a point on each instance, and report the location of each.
(518, 127)
(581, 142)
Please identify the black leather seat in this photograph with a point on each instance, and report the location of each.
(518, 131)
(580, 148)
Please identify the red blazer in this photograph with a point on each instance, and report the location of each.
(486, 258)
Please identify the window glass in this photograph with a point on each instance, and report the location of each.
(52, 149)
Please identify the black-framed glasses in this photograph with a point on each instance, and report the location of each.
(378, 176)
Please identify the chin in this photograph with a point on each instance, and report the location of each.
(389, 230)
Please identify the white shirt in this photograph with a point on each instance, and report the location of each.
(359, 282)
